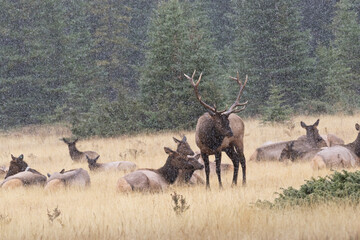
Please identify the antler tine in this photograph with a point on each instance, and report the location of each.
(236, 104)
(195, 85)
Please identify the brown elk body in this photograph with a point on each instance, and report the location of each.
(24, 178)
(304, 148)
(155, 179)
(110, 166)
(76, 155)
(339, 156)
(218, 131)
(73, 178)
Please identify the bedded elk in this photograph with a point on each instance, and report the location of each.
(73, 178)
(339, 156)
(312, 139)
(75, 154)
(25, 178)
(156, 179)
(218, 131)
(110, 166)
(20, 174)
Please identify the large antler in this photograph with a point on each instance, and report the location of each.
(195, 85)
(233, 108)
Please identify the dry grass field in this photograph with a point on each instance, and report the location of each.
(100, 212)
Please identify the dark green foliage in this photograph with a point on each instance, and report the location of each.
(273, 50)
(177, 45)
(338, 187)
(275, 110)
(116, 67)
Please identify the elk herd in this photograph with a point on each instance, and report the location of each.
(216, 132)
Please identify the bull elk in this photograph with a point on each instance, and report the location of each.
(75, 154)
(156, 179)
(218, 131)
(110, 166)
(339, 156)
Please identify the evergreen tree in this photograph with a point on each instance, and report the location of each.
(275, 110)
(272, 48)
(346, 54)
(177, 45)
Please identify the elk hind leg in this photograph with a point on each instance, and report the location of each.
(235, 158)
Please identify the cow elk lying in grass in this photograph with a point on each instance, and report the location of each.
(20, 174)
(218, 131)
(76, 155)
(339, 156)
(155, 180)
(110, 166)
(301, 146)
(73, 178)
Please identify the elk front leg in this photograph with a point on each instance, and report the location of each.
(205, 157)
(218, 167)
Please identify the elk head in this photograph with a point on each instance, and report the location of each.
(183, 146)
(312, 134)
(92, 161)
(220, 119)
(17, 164)
(178, 160)
(70, 144)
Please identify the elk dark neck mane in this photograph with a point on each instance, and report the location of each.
(355, 146)
(312, 138)
(74, 152)
(208, 134)
(169, 172)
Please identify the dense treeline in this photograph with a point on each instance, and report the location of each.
(115, 67)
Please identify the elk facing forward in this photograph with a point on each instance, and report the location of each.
(76, 155)
(218, 131)
(16, 165)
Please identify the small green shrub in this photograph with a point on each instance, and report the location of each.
(340, 186)
(180, 205)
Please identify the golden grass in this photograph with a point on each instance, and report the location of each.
(101, 213)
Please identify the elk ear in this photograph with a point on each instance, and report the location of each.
(89, 159)
(76, 140)
(169, 151)
(96, 158)
(65, 141)
(62, 171)
(21, 157)
(302, 124)
(177, 141)
(196, 156)
(48, 174)
(357, 126)
(13, 158)
(316, 123)
(184, 139)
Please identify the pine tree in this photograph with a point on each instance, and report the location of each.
(272, 48)
(177, 45)
(346, 54)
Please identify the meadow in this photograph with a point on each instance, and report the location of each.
(100, 212)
